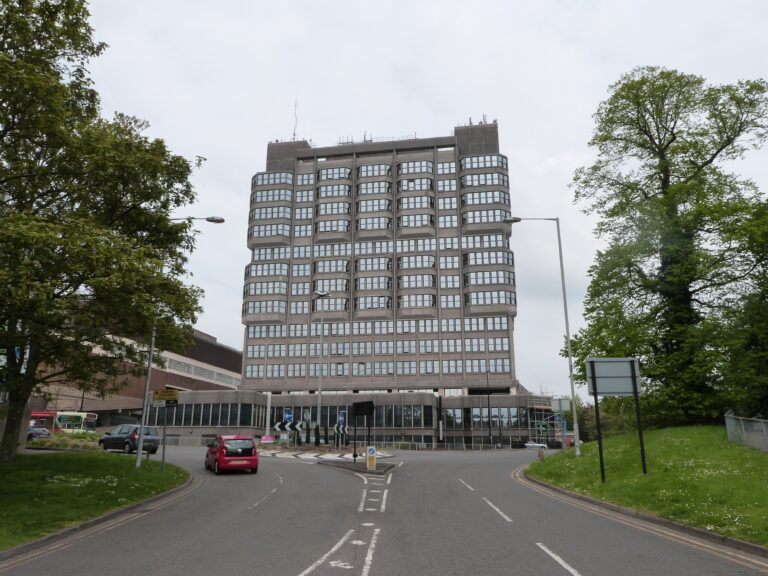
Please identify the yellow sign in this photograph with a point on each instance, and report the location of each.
(171, 395)
(370, 460)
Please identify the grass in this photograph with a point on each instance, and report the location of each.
(695, 477)
(43, 493)
(78, 441)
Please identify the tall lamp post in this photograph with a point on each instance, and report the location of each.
(488, 398)
(515, 220)
(319, 295)
(145, 403)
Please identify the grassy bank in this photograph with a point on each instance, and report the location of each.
(695, 476)
(43, 493)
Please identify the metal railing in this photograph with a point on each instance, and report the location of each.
(750, 432)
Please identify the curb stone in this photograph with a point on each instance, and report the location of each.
(742, 545)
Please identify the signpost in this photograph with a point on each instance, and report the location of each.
(371, 459)
(163, 399)
(615, 377)
(361, 409)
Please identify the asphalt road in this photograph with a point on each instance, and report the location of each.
(434, 513)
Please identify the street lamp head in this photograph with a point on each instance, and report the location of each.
(215, 219)
(320, 294)
(512, 220)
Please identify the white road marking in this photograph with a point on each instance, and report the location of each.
(340, 564)
(362, 501)
(325, 556)
(358, 542)
(557, 559)
(373, 499)
(507, 518)
(401, 463)
(281, 478)
(389, 479)
(262, 499)
(369, 556)
(467, 485)
(375, 491)
(368, 524)
(384, 501)
(365, 480)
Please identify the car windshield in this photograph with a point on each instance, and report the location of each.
(235, 444)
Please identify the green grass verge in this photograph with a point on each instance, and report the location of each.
(77, 441)
(43, 493)
(695, 476)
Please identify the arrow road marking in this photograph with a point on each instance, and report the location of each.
(467, 485)
(507, 518)
(557, 559)
(325, 556)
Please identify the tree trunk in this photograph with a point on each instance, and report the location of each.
(9, 445)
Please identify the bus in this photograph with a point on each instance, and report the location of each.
(65, 421)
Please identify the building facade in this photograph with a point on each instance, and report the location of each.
(384, 268)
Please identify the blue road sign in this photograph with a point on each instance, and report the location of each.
(342, 417)
(288, 414)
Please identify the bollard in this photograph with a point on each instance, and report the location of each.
(541, 454)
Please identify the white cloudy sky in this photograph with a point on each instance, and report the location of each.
(219, 80)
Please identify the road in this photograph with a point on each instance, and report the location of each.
(433, 513)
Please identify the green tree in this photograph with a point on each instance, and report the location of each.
(678, 228)
(89, 257)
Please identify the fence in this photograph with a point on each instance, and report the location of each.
(747, 431)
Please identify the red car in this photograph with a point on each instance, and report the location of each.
(232, 453)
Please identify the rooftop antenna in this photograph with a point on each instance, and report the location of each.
(295, 117)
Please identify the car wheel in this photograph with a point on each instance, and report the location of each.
(205, 463)
(216, 467)
(127, 448)
(153, 451)
(254, 470)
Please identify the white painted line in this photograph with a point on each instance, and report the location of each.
(401, 463)
(281, 478)
(368, 524)
(467, 485)
(369, 556)
(389, 479)
(557, 559)
(362, 501)
(309, 455)
(370, 509)
(507, 518)
(365, 480)
(325, 556)
(384, 501)
(375, 491)
(262, 499)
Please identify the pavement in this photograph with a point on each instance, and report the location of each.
(319, 456)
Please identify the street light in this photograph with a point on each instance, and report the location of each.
(319, 295)
(145, 403)
(515, 220)
(488, 397)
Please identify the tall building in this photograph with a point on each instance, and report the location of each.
(382, 266)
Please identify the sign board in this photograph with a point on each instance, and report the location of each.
(362, 408)
(561, 405)
(288, 414)
(370, 459)
(158, 403)
(267, 440)
(342, 416)
(613, 376)
(170, 396)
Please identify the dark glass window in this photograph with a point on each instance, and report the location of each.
(246, 411)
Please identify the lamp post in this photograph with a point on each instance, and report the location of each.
(145, 404)
(488, 398)
(319, 295)
(515, 220)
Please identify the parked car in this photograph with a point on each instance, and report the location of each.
(126, 438)
(232, 453)
(38, 432)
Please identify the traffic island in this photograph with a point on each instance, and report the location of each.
(359, 467)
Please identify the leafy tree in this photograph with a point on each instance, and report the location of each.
(679, 230)
(89, 257)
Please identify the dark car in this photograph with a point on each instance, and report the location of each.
(38, 432)
(126, 438)
(232, 453)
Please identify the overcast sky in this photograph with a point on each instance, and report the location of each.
(219, 80)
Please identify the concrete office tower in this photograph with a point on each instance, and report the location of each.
(382, 266)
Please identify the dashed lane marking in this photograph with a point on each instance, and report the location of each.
(325, 556)
(559, 560)
(507, 518)
(467, 485)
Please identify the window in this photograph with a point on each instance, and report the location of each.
(490, 297)
(474, 366)
(383, 347)
(446, 168)
(270, 253)
(449, 262)
(332, 226)
(303, 213)
(379, 247)
(361, 348)
(266, 230)
(449, 282)
(484, 258)
(340, 349)
(367, 264)
(447, 221)
(415, 184)
(406, 346)
(499, 365)
(408, 262)
(297, 330)
(322, 250)
(451, 243)
(450, 301)
(447, 203)
(428, 326)
(450, 325)
(474, 345)
(429, 367)
(488, 161)
(260, 288)
(498, 344)
(255, 351)
(382, 205)
(374, 188)
(452, 367)
(368, 170)
(415, 220)
(327, 266)
(417, 301)
(270, 213)
(486, 179)
(254, 371)
(305, 195)
(331, 304)
(334, 173)
(485, 241)
(305, 179)
(266, 178)
(279, 195)
(498, 323)
(416, 281)
(332, 285)
(429, 346)
(302, 231)
(484, 216)
(406, 326)
(373, 283)
(446, 185)
(374, 224)
(264, 307)
(451, 346)
(275, 370)
(266, 331)
(373, 302)
(494, 197)
(489, 277)
(417, 245)
(415, 167)
(297, 370)
(300, 289)
(384, 327)
(405, 368)
(332, 208)
(474, 324)
(415, 202)
(302, 251)
(300, 270)
(276, 351)
(299, 350)
(299, 307)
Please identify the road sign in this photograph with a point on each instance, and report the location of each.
(362, 408)
(158, 403)
(288, 414)
(342, 416)
(285, 426)
(170, 396)
(561, 404)
(370, 460)
(613, 376)
(340, 429)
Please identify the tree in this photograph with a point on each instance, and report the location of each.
(678, 228)
(89, 257)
